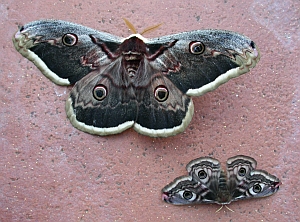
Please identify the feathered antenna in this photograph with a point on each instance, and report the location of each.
(131, 27)
(150, 28)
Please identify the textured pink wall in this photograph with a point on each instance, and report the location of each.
(52, 172)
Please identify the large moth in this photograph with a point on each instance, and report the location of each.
(134, 82)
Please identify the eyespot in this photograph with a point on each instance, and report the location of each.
(69, 39)
(99, 92)
(256, 188)
(242, 171)
(202, 174)
(187, 195)
(161, 93)
(197, 48)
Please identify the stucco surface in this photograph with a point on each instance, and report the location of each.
(50, 171)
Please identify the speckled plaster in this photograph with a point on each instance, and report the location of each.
(50, 171)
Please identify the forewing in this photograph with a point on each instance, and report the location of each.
(207, 171)
(199, 61)
(63, 51)
(201, 186)
(246, 182)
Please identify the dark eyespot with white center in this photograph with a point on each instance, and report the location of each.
(202, 174)
(69, 39)
(197, 48)
(100, 92)
(242, 171)
(256, 188)
(161, 93)
(188, 195)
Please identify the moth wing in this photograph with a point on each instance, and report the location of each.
(163, 110)
(245, 182)
(262, 184)
(201, 186)
(201, 60)
(97, 106)
(63, 51)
